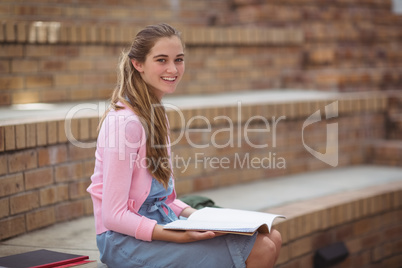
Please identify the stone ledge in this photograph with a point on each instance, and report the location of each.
(366, 220)
(29, 131)
(56, 32)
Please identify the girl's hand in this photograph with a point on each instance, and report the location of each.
(199, 235)
(191, 236)
(181, 236)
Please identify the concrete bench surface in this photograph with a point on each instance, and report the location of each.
(78, 236)
(23, 113)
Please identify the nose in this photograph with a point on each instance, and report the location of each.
(172, 69)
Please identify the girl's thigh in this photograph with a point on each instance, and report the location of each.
(118, 250)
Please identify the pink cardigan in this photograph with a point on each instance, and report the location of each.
(121, 181)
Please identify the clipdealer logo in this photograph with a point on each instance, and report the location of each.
(330, 156)
(331, 149)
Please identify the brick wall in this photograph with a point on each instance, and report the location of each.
(360, 121)
(119, 12)
(349, 45)
(367, 221)
(40, 63)
(43, 176)
(52, 52)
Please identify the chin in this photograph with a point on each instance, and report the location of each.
(170, 91)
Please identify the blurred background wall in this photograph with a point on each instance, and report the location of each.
(53, 51)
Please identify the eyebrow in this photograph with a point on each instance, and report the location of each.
(166, 56)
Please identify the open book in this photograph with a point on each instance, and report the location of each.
(225, 220)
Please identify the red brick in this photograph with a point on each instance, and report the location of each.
(24, 202)
(52, 132)
(21, 161)
(54, 194)
(13, 226)
(9, 136)
(300, 247)
(4, 66)
(22, 32)
(88, 206)
(24, 66)
(68, 172)
(72, 129)
(40, 218)
(38, 178)
(11, 51)
(20, 136)
(371, 240)
(393, 232)
(82, 94)
(394, 261)
(67, 80)
(2, 138)
(38, 51)
(71, 210)
(51, 155)
(52, 95)
(12, 82)
(365, 226)
(3, 164)
(344, 232)
(284, 255)
(184, 187)
(77, 153)
(78, 189)
(62, 192)
(30, 135)
(41, 133)
(382, 251)
(53, 65)
(61, 131)
(25, 97)
(11, 184)
(89, 168)
(48, 196)
(361, 260)
(81, 65)
(84, 129)
(322, 239)
(39, 81)
(4, 207)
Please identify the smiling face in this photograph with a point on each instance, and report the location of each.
(163, 67)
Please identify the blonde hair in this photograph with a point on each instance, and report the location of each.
(132, 90)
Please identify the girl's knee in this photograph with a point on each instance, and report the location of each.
(264, 252)
(276, 237)
(270, 246)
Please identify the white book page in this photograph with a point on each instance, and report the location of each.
(233, 216)
(225, 219)
(238, 227)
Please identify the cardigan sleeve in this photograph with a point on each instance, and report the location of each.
(178, 206)
(124, 137)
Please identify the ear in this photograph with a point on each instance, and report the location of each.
(137, 65)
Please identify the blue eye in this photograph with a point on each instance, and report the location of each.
(161, 60)
(180, 60)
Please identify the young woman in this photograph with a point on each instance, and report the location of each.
(132, 186)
